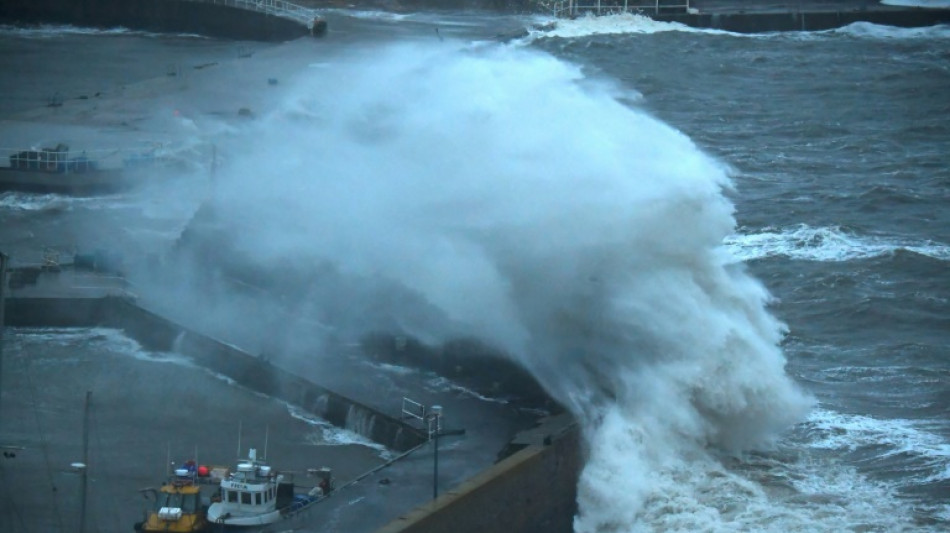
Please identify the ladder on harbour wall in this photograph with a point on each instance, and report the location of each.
(277, 8)
(575, 8)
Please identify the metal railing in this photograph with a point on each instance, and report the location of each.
(60, 159)
(574, 8)
(277, 8)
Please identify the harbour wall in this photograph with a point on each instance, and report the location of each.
(224, 21)
(163, 16)
(157, 333)
(533, 489)
(740, 22)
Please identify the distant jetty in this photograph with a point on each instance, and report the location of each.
(256, 20)
(760, 17)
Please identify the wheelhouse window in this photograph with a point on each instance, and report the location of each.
(189, 503)
(166, 499)
(246, 498)
(232, 496)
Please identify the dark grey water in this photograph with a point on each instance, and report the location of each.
(835, 142)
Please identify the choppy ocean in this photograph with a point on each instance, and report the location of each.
(727, 254)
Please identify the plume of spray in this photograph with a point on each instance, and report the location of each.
(519, 201)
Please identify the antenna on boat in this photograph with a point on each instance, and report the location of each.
(168, 457)
(240, 422)
(266, 435)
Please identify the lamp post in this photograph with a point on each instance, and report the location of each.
(435, 421)
(3, 287)
(83, 467)
(434, 417)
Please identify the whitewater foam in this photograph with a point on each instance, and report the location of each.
(329, 435)
(868, 30)
(631, 23)
(441, 384)
(54, 31)
(612, 24)
(15, 201)
(805, 243)
(782, 490)
(918, 3)
(930, 453)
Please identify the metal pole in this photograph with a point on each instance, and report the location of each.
(437, 420)
(85, 465)
(3, 288)
(435, 469)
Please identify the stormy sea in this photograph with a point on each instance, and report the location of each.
(727, 255)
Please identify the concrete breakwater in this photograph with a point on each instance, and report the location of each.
(156, 333)
(534, 482)
(213, 19)
(760, 17)
(806, 20)
(227, 19)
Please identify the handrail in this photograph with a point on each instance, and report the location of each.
(573, 8)
(278, 8)
(61, 159)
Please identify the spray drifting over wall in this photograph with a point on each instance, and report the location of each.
(509, 197)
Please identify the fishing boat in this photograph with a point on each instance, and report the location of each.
(178, 504)
(254, 495)
(57, 170)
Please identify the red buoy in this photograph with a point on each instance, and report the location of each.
(203, 471)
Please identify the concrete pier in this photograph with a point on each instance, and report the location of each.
(762, 17)
(533, 483)
(105, 306)
(213, 19)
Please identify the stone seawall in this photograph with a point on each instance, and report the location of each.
(168, 16)
(740, 22)
(156, 333)
(532, 488)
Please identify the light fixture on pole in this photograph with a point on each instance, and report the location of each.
(435, 429)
